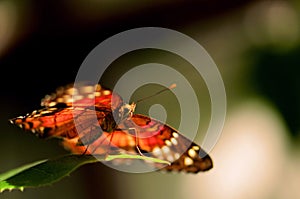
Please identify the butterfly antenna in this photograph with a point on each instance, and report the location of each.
(157, 93)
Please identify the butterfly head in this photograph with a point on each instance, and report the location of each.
(126, 111)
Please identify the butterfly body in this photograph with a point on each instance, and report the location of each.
(93, 120)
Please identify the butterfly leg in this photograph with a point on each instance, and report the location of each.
(109, 144)
(86, 149)
(136, 133)
(87, 141)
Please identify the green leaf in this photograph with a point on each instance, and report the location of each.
(43, 172)
(46, 172)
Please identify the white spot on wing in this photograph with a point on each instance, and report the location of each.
(192, 153)
(175, 135)
(97, 94)
(36, 115)
(46, 112)
(174, 141)
(52, 104)
(188, 161)
(69, 100)
(168, 142)
(196, 148)
(157, 152)
(106, 92)
(97, 87)
(165, 149)
(59, 100)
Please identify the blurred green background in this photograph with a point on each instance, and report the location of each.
(255, 45)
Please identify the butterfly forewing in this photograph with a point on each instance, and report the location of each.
(69, 104)
(83, 95)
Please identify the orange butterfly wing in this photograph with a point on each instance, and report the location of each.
(66, 105)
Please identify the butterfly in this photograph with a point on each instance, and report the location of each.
(90, 119)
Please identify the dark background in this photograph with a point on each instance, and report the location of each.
(50, 39)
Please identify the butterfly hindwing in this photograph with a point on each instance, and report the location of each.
(153, 139)
(164, 142)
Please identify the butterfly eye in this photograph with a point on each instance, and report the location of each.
(124, 112)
